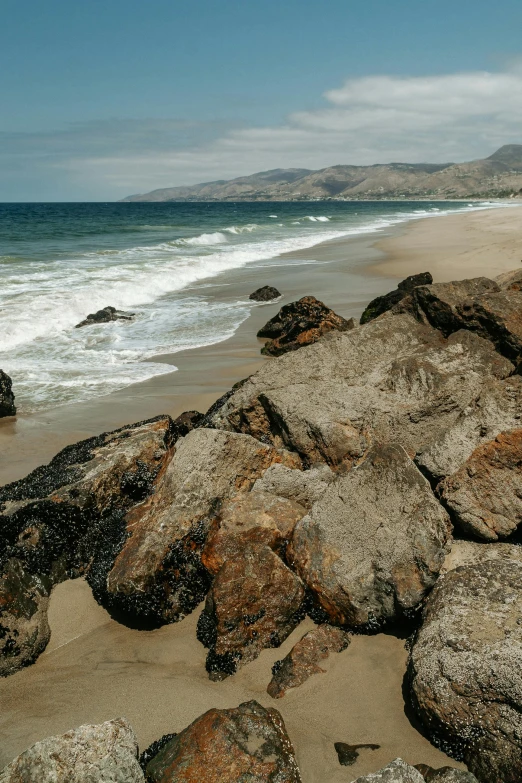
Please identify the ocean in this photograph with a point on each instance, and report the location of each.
(59, 262)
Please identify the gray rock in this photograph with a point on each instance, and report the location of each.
(468, 553)
(7, 398)
(465, 674)
(265, 294)
(104, 753)
(302, 486)
(445, 775)
(373, 545)
(24, 629)
(396, 772)
(485, 494)
(510, 281)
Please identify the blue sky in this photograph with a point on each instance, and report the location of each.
(103, 99)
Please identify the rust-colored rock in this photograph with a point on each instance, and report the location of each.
(301, 323)
(246, 520)
(24, 630)
(157, 575)
(255, 602)
(248, 743)
(304, 658)
(485, 494)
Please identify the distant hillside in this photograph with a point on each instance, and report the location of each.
(498, 176)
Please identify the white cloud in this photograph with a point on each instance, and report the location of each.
(374, 119)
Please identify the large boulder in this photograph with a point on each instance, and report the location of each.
(7, 398)
(248, 743)
(265, 294)
(300, 323)
(467, 553)
(24, 629)
(381, 304)
(372, 547)
(105, 316)
(396, 379)
(302, 486)
(465, 675)
(445, 774)
(304, 658)
(485, 494)
(510, 281)
(396, 772)
(249, 519)
(255, 602)
(104, 753)
(154, 574)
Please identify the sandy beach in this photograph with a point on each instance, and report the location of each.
(95, 669)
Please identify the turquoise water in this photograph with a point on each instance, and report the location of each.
(59, 262)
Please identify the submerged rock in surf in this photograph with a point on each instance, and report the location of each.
(105, 315)
(7, 398)
(265, 294)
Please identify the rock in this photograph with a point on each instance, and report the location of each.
(466, 553)
(24, 629)
(7, 398)
(265, 294)
(156, 575)
(56, 518)
(302, 486)
(382, 304)
(104, 316)
(348, 754)
(464, 670)
(445, 774)
(303, 659)
(394, 380)
(255, 602)
(372, 547)
(248, 743)
(154, 748)
(510, 281)
(300, 323)
(485, 494)
(104, 753)
(396, 772)
(249, 519)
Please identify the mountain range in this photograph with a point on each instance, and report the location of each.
(499, 176)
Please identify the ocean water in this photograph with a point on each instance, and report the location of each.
(59, 262)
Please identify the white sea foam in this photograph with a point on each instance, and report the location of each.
(215, 238)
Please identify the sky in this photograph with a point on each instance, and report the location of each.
(99, 100)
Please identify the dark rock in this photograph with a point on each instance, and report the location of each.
(445, 774)
(154, 748)
(464, 671)
(396, 772)
(300, 323)
(248, 743)
(106, 315)
(249, 519)
(303, 659)
(7, 398)
(381, 304)
(156, 574)
(485, 494)
(106, 753)
(348, 754)
(265, 294)
(386, 534)
(255, 602)
(24, 630)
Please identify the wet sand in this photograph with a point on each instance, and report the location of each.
(95, 669)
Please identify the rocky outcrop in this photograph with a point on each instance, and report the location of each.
(485, 494)
(302, 486)
(105, 316)
(465, 675)
(156, 575)
(304, 658)
(394, 380)
(468, 553)
(372, 547)
(7, 398)
(24, 630)
(300, 323)
(105, 753)
(254, 518)
(381, 304)
(255, 602)
(396, 772)
(265, 294)
(248, 743)
(445, 774)
(510, 281)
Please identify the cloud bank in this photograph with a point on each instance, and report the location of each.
(374, 119)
